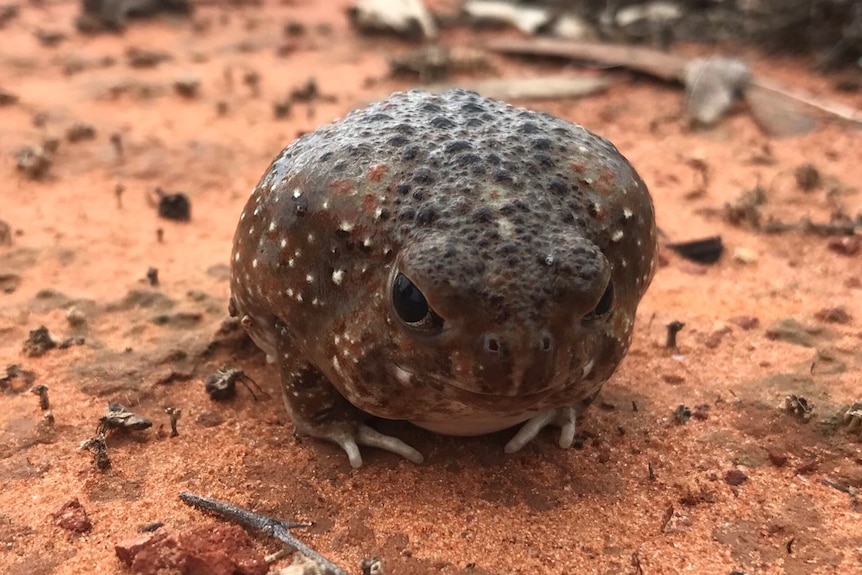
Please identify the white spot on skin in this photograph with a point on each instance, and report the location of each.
(309, 278)
(272, 226)
(337, 366)
(345, 226)
(325, 205)
(297, 193)
(254, 263)
(251, 230)
(402, 375)
(242, 217)
(337, 277)
(627, 213)
(236, 257)
(310, 238)
(617, 236)
(291, 262)
(283, 243)
(367, 242)
(588, 368)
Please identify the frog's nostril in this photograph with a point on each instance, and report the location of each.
(546, 342)
(492, 343)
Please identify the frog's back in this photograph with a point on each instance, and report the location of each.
(346, 197)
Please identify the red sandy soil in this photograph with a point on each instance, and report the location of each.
(470, 508)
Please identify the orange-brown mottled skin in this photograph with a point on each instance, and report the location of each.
(445, 259)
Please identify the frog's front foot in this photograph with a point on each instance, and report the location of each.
(319, 410)
(350, 435)
(563, 417)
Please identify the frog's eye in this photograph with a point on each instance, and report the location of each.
(411, 306)
(605, 304)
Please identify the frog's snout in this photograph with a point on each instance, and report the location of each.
(520, 362)
(493, 345)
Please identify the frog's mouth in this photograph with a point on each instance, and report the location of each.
(474, 396)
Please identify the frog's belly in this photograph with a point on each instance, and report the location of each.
(471, 424)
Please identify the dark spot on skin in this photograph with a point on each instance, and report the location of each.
(326, 156)
(405, 129)
(468, 159)
(558, 187)
(378, 117)
(426, 215)
(543, 144)
(472, 108)
(529, 128)
(418, 195)
(301, 205)
(458, 146)
(494, 159)
(483, 215)
(403, 188)
(384, 213)
(407, 214)
(398, 141)
(542, 160)
(502, 176)
(423, 176)
(339, 166)
(410, 153)
(442, 123)
(507, 249)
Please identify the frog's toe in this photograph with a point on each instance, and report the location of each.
(350, 441)
(564, 418)
(373, 438)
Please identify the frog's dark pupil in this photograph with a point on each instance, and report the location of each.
(408, 300)
(606, 303)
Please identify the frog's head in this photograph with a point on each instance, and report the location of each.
(505, 311)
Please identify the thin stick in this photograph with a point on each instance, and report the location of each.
(840, 111)
(271, 527)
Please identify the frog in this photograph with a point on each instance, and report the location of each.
(445, 259)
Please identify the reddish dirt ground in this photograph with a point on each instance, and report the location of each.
(470, 508)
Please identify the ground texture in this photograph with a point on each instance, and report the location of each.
(737, 486)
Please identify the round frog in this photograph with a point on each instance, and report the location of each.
(445, 259)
